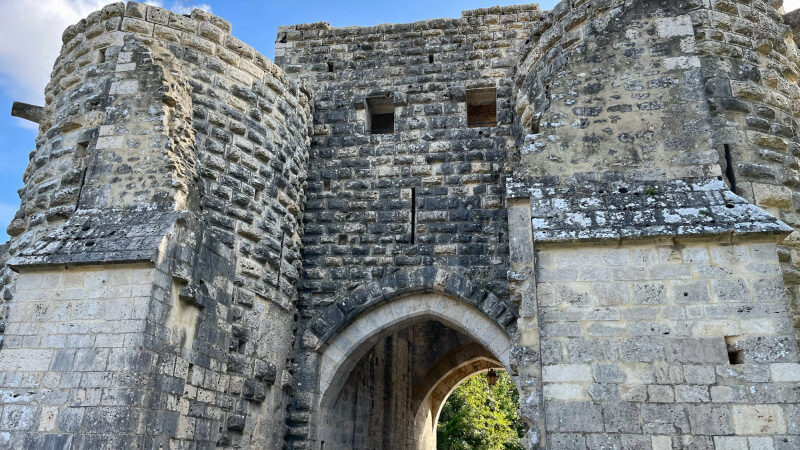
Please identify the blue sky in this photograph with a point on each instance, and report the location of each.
(30, 31)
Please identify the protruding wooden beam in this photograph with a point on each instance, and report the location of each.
(28, 112)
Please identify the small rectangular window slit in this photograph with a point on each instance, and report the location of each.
(430, 58)
(535, 125)
(482, 107)
(413, 215)
(729, 173)
(735, 353)
(330, 66)
(380, 114)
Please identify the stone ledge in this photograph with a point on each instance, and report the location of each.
(101, 236)
(576, 211)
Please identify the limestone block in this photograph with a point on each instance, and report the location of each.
(566, 373)
(25, 360)
(674, 26)
(772, 196)
(730, 443)
(761, 443)
(785, 372)
(758, 419)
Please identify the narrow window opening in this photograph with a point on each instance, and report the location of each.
(80, 156)
(535, 125)
(413, 215)
(430, 58)
(482, 107)
(80, 150)
(330, 66)
(735, 353)
(729, 173)
(342, 239)
(326, 184)
(101, 56)
(380, 114)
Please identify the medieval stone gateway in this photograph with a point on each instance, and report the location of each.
(215, 250)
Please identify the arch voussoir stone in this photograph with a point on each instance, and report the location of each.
(402, 282)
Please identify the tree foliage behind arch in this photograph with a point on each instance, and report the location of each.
(477, 416)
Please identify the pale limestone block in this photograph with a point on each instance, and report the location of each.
(48, 418)
(696, 255)
(661, 442)
(674, 26)
(565, 373)
(505, 358)
(124, 87)
(28, 281)
(25, 359)
(730, 443)
(681, 62)
(721, 254)
(327, 368)
(721, 327)
(769, 195)
(335, 353)
(761, 443)
(764, 251)
(398, 308)
(565, 391)
(758, 419)
(785, 372)
(105, 142)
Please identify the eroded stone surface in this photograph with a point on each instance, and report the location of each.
(215, 250)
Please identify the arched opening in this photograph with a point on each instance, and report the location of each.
(384, 378)
(482, 411)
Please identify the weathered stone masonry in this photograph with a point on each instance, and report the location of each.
(213, 250)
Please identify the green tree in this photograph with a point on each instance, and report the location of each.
(477, 416)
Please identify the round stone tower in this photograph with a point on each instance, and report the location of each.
(166, 194)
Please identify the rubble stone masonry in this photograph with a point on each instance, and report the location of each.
(215, 250)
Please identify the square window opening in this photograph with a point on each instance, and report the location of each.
(735, 353)
(380, 114)
(482, 107)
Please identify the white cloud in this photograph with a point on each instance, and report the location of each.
(790, 5)
(31, 34)
(30, 31)
(184, 7)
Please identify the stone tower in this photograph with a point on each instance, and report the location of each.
(213, 250)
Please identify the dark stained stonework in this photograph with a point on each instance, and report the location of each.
(214, 250)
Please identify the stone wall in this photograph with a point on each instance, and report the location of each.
(73, 362)
(612, 90)
(666, 345)
(428, 194)
(166, 141)
(610, 240)
(749, 64)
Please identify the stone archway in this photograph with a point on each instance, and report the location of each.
(480, 343)
(451, 370)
